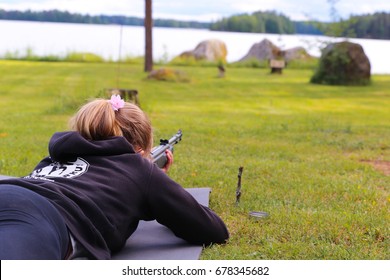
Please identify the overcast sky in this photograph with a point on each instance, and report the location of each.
(204, 10)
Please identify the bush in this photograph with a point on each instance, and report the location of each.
(168, 74)
(251, 63)
(29, 56)
(310, 63)
(191, 61)
(83, 57)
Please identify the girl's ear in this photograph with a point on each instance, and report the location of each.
(140, 151)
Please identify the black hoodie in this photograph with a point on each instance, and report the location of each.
(103, 189)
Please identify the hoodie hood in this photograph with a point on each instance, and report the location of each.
(70, 144)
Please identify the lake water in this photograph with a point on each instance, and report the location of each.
(114, 41)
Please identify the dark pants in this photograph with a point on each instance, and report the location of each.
(30, 226)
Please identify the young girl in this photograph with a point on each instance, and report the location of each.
(87, 197)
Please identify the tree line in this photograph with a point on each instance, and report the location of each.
(257, 22)
(372, 26)
(66, 17)
(369, 26)
(267, 22)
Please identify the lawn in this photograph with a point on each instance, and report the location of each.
(308, 151)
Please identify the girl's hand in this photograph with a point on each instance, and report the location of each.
(169, 161)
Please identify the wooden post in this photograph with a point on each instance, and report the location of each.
(221, 71)
(277, 66)
(238, 190)
(148, 22)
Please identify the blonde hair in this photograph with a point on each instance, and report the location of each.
(97, 120)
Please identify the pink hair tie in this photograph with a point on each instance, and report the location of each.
(116, 102)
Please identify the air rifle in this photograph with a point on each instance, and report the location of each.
(158, 153)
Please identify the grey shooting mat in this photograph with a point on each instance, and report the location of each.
(153, 241)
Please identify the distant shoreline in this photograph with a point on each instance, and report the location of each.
(369, 26)
(52, 40)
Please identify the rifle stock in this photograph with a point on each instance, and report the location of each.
(158, 153)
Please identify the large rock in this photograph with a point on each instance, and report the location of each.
(211, 50)
(264, 50)
(297, 53)
(343, 63)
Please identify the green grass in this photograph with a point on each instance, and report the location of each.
(303, 147)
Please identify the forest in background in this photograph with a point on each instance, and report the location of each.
(66, 17)
(369, 26)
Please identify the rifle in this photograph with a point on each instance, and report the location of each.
(158, 153)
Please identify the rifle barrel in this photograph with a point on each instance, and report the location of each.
(158, 153)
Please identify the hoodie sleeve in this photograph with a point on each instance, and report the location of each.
(175, 208)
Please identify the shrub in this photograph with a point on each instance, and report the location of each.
(251, 63)
(83, 57)
(168, 74)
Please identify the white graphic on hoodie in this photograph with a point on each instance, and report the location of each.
(69, 169)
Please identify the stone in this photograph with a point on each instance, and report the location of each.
(212, 50)
(267, 51)
(343, 63)
(264, 50)
(297, 53)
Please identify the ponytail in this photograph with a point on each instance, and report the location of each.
(97, 120)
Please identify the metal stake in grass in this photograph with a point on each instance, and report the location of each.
(238, 190)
